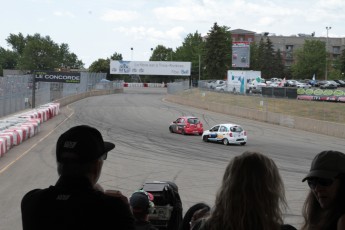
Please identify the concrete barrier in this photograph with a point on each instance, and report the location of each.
(306, 124)
(73, 98)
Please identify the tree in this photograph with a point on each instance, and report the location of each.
(161, 53)
(278, 66)
(8, 60)
(342, 62)
(310, 60)
(103, 65)
(191, 50)
(67, 59)
(217, 52)
(41, 53)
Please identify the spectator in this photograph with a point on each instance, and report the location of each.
(324, 207)
(251, 196)
(193, 214)
(76, 201)
(142, 204)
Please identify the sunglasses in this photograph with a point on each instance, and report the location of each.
(313, 182)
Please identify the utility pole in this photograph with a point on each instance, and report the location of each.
(327, 28)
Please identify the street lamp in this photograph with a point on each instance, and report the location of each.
(131, 53)
(327, 28)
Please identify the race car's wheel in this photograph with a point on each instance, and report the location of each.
(243, 143)
(170, 129)
(183, 132)
(204, 138)
(200, 134)
(225, 141)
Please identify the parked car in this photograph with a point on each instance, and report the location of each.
(340, 82)
(226, 134)
(214, 84)
(290, 83)
(221, 88)
(187, 125)
(328, 86)
(302, 85)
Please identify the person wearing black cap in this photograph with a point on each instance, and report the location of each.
(76, 202)
(141, 204)
(324, 207)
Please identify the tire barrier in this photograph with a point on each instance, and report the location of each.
(20, 127)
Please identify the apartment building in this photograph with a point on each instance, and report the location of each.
(287, 44)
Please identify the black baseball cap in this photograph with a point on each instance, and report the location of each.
(139, 202)
(327, 164)
(81, 143)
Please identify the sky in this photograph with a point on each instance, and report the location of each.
(95, 29)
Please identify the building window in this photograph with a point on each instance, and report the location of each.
(289, 48)
(336, 49)
(250, 39)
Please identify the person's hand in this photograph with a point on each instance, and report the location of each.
(116, 193)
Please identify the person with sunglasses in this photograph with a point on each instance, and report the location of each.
(324, 207)
(76, 201)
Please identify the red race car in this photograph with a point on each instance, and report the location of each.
(187, 125)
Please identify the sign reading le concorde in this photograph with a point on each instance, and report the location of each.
(150, 68)
(64, 77)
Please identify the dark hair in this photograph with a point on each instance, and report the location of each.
(189, 214)
(317, 217)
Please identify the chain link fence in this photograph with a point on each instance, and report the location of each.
(16, 91)
(319, 110)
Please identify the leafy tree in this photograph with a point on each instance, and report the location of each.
(103, 65)
(217, 52)
(18, 42)
(41, 53)
(8, 60)
(161, 53)
(67, 59)
(191, 50)
(310, 60)
(116, 56)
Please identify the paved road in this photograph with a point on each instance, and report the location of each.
(137, 121)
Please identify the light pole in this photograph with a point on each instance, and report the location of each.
(131, 53)
(199, 66)
(327, 28)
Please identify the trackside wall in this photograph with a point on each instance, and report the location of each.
(306, 124)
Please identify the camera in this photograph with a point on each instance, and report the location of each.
(167, 210)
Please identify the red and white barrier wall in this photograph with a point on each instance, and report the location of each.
(148, 85)
(20, 127)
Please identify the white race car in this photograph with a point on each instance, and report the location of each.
(226, 133)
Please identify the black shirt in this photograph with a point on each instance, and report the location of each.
(73, 204)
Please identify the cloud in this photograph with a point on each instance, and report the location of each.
(152, 34)
(64, 14)
(120, 16)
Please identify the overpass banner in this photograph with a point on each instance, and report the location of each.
(150, 68)
(64, 77)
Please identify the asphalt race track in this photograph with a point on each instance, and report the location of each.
(137, 122)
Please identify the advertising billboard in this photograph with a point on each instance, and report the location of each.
(241, 54)
(64, 77)
(150, 68)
